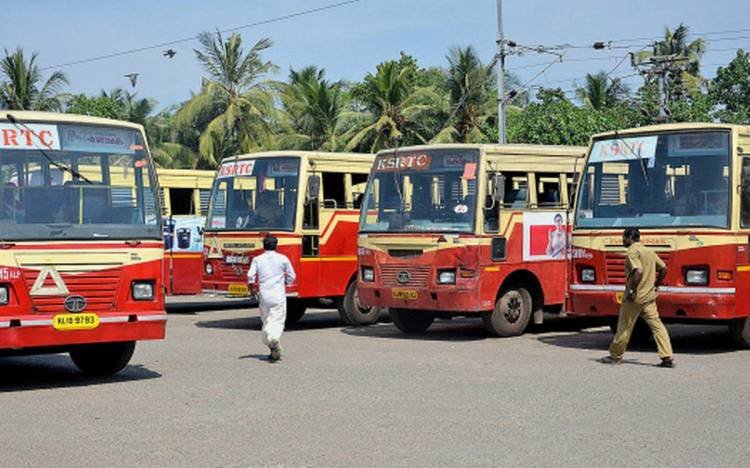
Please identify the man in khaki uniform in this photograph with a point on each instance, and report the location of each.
(644, 271)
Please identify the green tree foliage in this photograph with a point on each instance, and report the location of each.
(600, 92)
(730, 90)
(554, 120)
(116, 104)
(21, 85)
(235, 104)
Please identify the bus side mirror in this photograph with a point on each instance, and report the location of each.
(313, 187)
(498, 188)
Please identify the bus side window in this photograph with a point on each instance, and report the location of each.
(359, 185)
(745, 193)
(548, 190)
(334, 190)
(516, 190)
(491, 208)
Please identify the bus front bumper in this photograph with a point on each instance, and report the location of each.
(442, 299)
(699, 303)
(31, 331)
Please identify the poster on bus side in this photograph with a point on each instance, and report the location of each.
(546, 236)
(184, 234)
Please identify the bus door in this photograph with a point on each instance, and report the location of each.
(742, 280)
(309, 273)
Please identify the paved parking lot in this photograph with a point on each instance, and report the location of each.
(373, 397)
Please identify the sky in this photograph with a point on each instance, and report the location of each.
(350, 40)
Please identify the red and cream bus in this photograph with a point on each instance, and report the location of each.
(687, 188)
(474, 230)
(310, 202)
(80, 239)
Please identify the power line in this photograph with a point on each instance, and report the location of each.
(192, 38)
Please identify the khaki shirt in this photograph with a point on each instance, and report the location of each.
(640, 257)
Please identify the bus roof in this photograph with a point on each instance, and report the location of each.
(496, 149)
(35, 117)
(322, 155)
(670, 127)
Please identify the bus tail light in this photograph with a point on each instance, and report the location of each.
(368, 274)
(143, 290)
(446, 276)
(696, 276)
(4, 295)
(588, 275)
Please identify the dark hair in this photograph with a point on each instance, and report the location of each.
(633, 234)
(558, 215)
(269, 243)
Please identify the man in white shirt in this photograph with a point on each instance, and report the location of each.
(272, 272)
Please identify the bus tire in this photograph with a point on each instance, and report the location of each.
(511, 314)
(739, 329)
(102, 359)
(352, 312)
(295, 309)
(413, 322)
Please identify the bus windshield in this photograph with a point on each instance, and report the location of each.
(675, 179)
(427, 190)
(255, 194)
(75, 182)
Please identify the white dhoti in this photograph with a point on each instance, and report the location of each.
(273, 315)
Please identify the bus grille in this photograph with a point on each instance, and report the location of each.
(229, 272)
(98, 287)
(419, 276)
(615, 266)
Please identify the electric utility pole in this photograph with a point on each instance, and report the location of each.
(660, 68)
(500, 75)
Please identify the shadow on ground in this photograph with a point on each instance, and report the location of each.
(686, 339)
(186, 305)
(49, 371)
(314, 320)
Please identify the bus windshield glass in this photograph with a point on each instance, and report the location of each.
(427, 190)
(676, 179)
(255, 194)
(65, 181)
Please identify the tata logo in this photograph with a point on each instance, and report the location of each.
(403, 277)
(75, 303)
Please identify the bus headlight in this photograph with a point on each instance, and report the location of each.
(209, 269)
(696, 276)
(588, 275)
(368, 274)
(4, 295)
(143, 290)
(446, 277)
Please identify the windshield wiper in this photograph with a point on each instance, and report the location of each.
(62, 167)
(638, 156)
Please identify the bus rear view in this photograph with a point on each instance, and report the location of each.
(80, 239)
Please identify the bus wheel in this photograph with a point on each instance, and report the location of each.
(412, 321)
(295, 309)
(511, 315)
(354, 313)
(102, 359)
(740, 331)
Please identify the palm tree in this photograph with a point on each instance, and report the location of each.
(235, 102)
(675, 43)
(20, 84)
(396, 111)
(599, 92)
(314, 106)
(470, 84)
(131, 108)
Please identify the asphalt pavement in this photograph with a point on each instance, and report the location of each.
(207, 396)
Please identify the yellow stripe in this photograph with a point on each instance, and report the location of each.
(492, 268)
(743, 268)
(342, 258)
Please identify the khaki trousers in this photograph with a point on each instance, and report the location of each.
(629, 313)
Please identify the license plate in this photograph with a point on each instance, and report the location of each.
(238, 289)
(68, 322)
(408, 294)
(619, 296)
